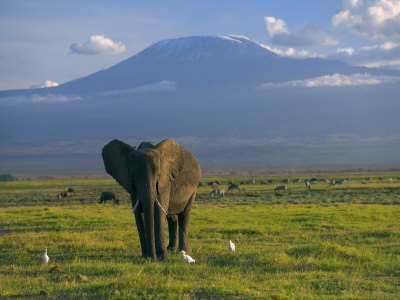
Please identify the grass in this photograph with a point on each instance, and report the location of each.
(327, 243)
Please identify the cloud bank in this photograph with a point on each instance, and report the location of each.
(46, 84)
(36, 99)
(335, 80)
(373, 20)
(98, 44)
(162, 86)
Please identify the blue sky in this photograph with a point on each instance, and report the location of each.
(44, 43)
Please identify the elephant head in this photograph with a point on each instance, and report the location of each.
(160, 178)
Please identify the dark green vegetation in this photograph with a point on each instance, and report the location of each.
(7, 177)
(331, 242)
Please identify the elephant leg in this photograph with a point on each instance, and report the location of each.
(172, 227)
(159, 233)
(139, 217)
(183, 220)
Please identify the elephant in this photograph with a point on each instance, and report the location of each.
(162, 180)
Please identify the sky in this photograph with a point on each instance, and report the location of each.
(46, 43)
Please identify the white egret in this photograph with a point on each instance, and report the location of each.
(231, 246)
(187, 258)
(45, 258)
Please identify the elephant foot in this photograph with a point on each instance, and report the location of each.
(162, 257)
(171, 247)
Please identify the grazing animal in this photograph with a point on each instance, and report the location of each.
(201, 183)
(389, 179)
(363, 182)
(231, 246)
(71, 190)
(285, 181)
(308, 184)
(187, 258)
(282, 188)
(332, 182)
(105, 196)
(233, 186)
(45, 257)
(341, 181)
(162, 180)
(64, 195)
(270, 181)
(313, 180)
(217, 192)
(250, 182)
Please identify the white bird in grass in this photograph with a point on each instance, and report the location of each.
(187, 258)
(231, 246)
(45, 258)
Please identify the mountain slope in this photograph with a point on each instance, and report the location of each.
(202, 62)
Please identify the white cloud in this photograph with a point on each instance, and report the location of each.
(373, 20)
(291, 52)
(347, 51)
(335, 80)
(46, 84)
(311, 35)
(162, 86)
(36, 98)
(385, 46)
(98, 44)
(275, 26)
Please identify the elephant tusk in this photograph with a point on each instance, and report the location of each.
(136, 205)
(158, 203)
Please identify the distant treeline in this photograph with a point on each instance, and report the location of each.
(8, 177)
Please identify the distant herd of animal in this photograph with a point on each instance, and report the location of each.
(279, 189)
(105, 196)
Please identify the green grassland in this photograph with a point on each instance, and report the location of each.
(330, 242)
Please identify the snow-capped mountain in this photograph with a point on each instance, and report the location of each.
(227, 98)
(203, 62)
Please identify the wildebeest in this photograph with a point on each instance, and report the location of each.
(233, 186)
(105, 196)
(71, 190)
(363, 182)
(217, 192)
(213, 184)
(250, 182)
(297, 180)
(285, 181)
(282, 188)
(200, 184)
(308, 184)
(64, 195)
(341, 181)
(313, 180)
(332, 182)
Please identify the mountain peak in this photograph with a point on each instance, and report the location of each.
(205, 46)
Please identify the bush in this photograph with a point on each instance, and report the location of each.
(8, 177)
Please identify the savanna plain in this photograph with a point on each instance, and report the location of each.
(330, 242)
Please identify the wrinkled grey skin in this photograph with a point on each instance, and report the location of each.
(105, 196)
(165, 172)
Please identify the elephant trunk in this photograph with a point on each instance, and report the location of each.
(148, 201)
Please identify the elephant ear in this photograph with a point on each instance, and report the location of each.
(115, 156)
